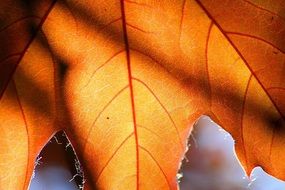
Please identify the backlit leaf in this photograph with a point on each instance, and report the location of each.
(127, 79)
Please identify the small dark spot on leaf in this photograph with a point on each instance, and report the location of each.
(275, 52)
(108, 118)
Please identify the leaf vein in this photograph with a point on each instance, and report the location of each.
(257, 38)
(99, 114)
(112, 156)
(163, 107)
(241, 56)
(29, 43)
(159, 166)
(27, 132)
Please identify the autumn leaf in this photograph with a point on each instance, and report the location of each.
(127, 79)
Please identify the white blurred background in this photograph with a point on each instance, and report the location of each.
(211, 165)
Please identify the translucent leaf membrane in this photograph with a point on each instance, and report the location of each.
(126, 80)
(57, 166)
(211, 163)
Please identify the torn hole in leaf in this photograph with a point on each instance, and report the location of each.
(211, 163)
(57, 166)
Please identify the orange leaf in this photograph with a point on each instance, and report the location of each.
(127, 79)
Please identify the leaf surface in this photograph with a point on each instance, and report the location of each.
(127, 79)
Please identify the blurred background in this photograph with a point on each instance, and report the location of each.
(210, 164)
(57, 166)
